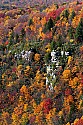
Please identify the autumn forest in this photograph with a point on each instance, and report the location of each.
(41, 64)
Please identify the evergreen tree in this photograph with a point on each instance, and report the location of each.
(79, 31)
(56, 5)
(53, 43)
(66, 14)
(47, 57)
(59, 41)
(71, 32)
(23, 33)
(72, 15)
(17, 37)
(11, 39)
(48, 25)
(30, 22)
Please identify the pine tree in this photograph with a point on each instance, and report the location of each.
(30, 22)
(50, 24)
(66, 14)
(71, 32)
(11, 39)
(72, 15)
(79, 31)
(53, 43)
(17, 38)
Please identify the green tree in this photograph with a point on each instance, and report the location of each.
(53, 45)
(22, 35)
(57, 6)
(30, 22)
(72, 15)
(17, 37)
(79, 31)
(47, 57)
(66, 13)
(49, 25)
(23, 32)
(59, 41)
(11, 39)
(71, 32)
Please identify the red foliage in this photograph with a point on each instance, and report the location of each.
(6, 43)
(48, 36)
(81, 79)
(67, 92)
(2, 15)
(47, 105)
(54, 14)
(14, 69)
(80, 122)
(32, 119)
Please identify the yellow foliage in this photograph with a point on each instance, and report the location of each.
(60, 113)
(34, 105)
(24, 116)
(32, 27)
(21, 99)
(76, 120)
(67, 100)
(43, 35)
(82, 117)
(40, 31)
(66, 74)
(10, 84)
(19, 67)
(73, 82)
(48, 48)
(23, 89)
(38, 76)
(71, 40)
(48, 116)
(27, 68)
(25, 107)
(67, 24)
(74, 69)
(80, 104)
(76, 21)
(14, 117)
(43, 21)
(27, 96)
(37, 57)
(3, 75)
(41, 104)
(70, 59)
(68, 123)
(38, 109)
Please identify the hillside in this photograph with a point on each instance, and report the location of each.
(41, 64)
(22, 3)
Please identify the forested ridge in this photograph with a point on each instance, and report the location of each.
(41, 65)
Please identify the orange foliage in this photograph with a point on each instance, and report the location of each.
(23, 89)
(37, 57)
(78, 121)
(66, 74)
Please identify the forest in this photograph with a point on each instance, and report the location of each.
(41, 65)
